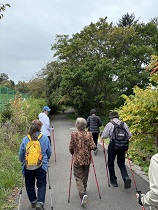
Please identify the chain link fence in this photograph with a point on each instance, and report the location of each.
(7, 94)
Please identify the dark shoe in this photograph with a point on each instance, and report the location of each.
(33, 203)
(39, 206)
(114, 183)
(84, 199)
(127, 183)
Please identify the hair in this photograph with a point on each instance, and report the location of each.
(80, 124)
(93, 111)
(34, 128)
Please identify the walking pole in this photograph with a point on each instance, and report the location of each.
(107, 173)
(137, 191)
(50, 190)
(53, 143)
(95, 177)
(20, 193)
(70, 178)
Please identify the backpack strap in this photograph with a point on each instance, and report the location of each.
(38, 138)
(122, 123)
(29, 137)
(114, 123)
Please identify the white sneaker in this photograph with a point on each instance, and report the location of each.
(84, 200)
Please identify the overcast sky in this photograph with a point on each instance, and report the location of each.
(28, 28)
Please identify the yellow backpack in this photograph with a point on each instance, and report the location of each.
(33, 154)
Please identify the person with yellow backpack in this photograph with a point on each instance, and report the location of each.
(34, 153)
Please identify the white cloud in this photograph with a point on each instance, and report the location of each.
(29, 27)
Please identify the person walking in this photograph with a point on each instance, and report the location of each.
(93, 124)
(150, 199)
(39, 171)
(112, 152)
(80, 147)
(43, 117)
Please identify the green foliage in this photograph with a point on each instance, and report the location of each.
(6, 113)
(102, 62)
(22, 112)
(53, 81)
(3, 77)
(140, 112)
(153, 68)
(127, 20)
(2, 9)
(37, 87)
(22, 87)
(10, 167)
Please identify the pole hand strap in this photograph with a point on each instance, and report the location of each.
(139, 198)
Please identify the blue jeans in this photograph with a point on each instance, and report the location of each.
(30, 177)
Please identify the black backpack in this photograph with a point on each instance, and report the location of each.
(120, 137)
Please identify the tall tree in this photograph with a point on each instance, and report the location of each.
(127, 20)
(103, 61)
(3, 77)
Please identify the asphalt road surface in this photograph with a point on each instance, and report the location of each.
(59, 176)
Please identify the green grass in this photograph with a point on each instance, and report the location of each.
(10, 175)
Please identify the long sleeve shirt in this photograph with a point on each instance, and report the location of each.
(46, 129)
(107, 132)
(80, 147)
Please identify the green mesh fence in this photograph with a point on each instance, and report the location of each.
(7, 94)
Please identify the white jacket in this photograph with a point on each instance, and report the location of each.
(46, 129)
(151, 197)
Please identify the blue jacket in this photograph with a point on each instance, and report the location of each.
(45, 147)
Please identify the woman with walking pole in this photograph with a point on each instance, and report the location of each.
(80, 147)
(34, 153)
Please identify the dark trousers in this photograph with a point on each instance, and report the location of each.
(30, 178)
(112, 153)
(49, 139)
(81, 173)
(95, 138)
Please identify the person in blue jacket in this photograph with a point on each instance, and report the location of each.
(38, 174)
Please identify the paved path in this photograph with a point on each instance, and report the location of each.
(59, 172)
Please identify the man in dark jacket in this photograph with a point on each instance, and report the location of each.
(93, 124)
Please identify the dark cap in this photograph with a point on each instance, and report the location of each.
(113, 115)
